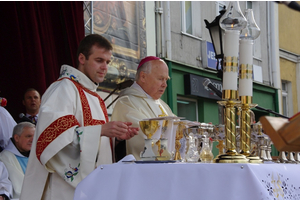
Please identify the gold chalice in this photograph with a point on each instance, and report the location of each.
(148, 127)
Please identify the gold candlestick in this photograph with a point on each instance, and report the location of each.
(231, 155)
(245, 131)
(230, 133)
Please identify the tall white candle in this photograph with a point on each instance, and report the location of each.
(246, 68)
(231, 51)
(231, 43)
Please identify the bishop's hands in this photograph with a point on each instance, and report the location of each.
(120, 130)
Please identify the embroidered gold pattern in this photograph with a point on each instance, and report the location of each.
(53, 131)
(87, 116)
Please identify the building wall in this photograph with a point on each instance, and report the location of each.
(289, 42)
(186, 49)
(288, 73)
(289, 27)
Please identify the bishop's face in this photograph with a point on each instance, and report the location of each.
(95, 67)
(155, 82)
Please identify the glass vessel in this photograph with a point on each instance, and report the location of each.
(163, 153)
(192, 154)
(233, 18)
(206, 155)
(251, 31)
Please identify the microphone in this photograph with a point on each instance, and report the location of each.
(291, 4)
(24, 118)
(207, 83)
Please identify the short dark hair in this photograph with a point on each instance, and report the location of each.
(86, 44)
(30, 89)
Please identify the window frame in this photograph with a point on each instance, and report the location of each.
(181, 98)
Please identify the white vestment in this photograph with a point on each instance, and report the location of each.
(7, 124)
(16, 174)
(133, 106)
(67, 145)
(5, 184)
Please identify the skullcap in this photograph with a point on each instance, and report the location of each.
(146, 59)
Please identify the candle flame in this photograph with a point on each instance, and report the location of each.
(246, 35)
(231, 25)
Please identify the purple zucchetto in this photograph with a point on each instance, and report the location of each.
(146, 59)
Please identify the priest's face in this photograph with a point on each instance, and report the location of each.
(32, 102)
(155, 82)
(24, 141)
(95, 67)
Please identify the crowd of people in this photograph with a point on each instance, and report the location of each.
(63, 137)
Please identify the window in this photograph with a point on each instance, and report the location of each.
(287, 98)
(249, 5)
(187, 26)
(187, 108)
(284, 98)
(219, 6)
(190, 18)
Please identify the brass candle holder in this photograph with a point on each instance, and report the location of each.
(231, 155)
(245, 129)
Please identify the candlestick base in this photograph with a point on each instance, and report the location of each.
(234, 158)
(255, 159)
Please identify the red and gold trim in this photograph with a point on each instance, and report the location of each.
(66, 122)
(87, 117)
(53, 131)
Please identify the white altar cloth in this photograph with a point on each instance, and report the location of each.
(189, 181)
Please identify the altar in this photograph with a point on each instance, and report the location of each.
(189, 181)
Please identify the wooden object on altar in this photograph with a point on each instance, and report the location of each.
(284, 133)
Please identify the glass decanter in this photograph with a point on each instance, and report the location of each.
(192, 154)
(206, 155)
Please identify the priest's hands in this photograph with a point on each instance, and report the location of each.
(120, 130)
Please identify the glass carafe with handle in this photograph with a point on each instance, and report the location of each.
(206, 155)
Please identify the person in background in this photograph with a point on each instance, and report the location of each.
(73, 135)
(6, 190)
(15, 155)
(142, 101)
(7, 124)
(31, 101)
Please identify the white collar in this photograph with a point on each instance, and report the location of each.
(139, 88)
(13, 149)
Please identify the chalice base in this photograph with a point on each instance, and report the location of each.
(231, 158)
(148, 153)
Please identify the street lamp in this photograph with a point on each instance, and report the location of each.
(216, 34)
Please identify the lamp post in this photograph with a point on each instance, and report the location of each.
(216, 34)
